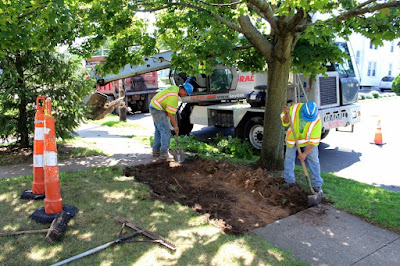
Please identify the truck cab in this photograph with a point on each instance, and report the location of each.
(230, 98)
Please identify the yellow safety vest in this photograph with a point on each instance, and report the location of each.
(202, 67)
(311, 133)
(166, 100)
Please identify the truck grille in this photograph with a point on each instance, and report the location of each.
(328, 91)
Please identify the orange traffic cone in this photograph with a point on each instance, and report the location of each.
(378, 135)
(38, 148)
(37, 191)
(53, 202)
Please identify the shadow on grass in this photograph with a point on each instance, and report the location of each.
(102, 193)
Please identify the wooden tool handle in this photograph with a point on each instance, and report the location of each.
(299, 151)
(157, 238)
(24, 232)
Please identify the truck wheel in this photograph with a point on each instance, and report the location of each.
(183, 119)
(123, 113)
(145, 105)
(254, 131)
(185, 127)
(324, 134)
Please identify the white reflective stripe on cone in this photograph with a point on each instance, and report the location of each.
(50, 158)
(38, 160)
(39, 133)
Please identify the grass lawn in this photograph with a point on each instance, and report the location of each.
(100, 194)
(103, 193)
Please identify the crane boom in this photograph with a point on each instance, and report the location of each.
(151, 63)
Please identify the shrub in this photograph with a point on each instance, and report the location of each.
(220, 145)
(374, 94)
(361, 96)
(396, 85)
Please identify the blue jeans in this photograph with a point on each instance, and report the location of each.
(312, 162)
(162, 134)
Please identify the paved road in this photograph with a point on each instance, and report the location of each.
(349, 155)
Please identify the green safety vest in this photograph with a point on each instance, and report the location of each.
(202, 68)
(311, 133)
(166, 100)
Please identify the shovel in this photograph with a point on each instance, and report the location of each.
(315, 198)
(179, 154)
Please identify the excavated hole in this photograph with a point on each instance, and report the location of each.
(236, 198)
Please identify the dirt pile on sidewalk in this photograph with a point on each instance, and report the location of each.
(235, 198)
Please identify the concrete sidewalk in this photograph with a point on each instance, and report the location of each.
(7, 171)
(325, 236)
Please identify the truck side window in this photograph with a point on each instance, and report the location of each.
(221, 80)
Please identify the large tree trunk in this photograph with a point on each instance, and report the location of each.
(278, 75)
(23, 116)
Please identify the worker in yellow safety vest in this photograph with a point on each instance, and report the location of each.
(163, 106)
(307, 126)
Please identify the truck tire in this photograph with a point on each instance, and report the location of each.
(324, 134)
(254, 131)
(145, 105)
(123, 113)
(185, 127)
(183, 119)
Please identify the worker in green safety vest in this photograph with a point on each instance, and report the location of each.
(307, 127)
(163, 106)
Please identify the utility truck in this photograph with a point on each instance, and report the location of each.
(134, 91)
(235, 99)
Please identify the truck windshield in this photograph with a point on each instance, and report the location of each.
(221, 80)
(344, 69)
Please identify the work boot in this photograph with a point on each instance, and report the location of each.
(318, 190)
(156, 153)
(166, 157)
(286, 186)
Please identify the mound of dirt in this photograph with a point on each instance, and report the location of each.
(236, 198)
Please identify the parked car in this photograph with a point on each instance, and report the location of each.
(386, 83)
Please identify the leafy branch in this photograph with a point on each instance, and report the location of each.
(364, 9)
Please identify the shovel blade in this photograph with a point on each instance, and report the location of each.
(314, 200)
(179, 155)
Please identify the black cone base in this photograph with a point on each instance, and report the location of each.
(41, 217)
(29, 195)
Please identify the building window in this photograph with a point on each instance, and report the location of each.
(371, 46)
(390, 70)
(371, 69)
(358, 53)
(392, 47)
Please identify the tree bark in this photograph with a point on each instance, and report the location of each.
(23, 117)
(278, 75)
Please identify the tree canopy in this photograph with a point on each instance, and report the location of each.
(30, 32)
(253, 35)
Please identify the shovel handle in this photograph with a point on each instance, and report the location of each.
(176, 135)
(177, 141)
(299, 151)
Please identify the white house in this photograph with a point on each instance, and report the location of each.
(372, 63)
